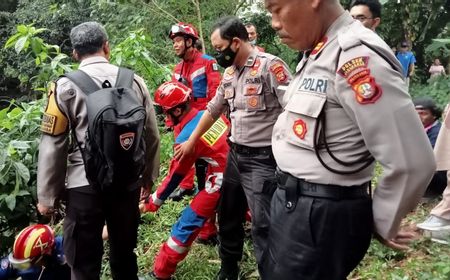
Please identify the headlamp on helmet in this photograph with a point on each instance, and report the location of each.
(183, 29)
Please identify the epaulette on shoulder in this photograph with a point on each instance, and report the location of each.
(349, 38)
(267, 55)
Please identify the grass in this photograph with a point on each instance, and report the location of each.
(202, 263)
(426, 260)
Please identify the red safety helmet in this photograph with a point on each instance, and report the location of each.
(171, 94)
(183, 29)
(30, 245)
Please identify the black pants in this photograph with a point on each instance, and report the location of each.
(86, 214)
(319, 239)
(248, 183)
(437, 185)
(201, 167)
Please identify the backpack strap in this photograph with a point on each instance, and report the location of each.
(83, 81)
(125, 78)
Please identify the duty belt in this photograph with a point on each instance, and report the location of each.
(295, 187)
(246, 150)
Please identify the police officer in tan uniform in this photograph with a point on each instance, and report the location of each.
(347, 106)
(60, 163)
(250, 90)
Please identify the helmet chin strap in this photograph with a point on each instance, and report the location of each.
(186, 48)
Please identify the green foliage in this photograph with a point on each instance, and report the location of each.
(425, 260)
(57, 17)
(416, 21)
(133, 52)
(438, 89)
(268, 39)
(156, 17)
(439, 48)
(19, 132)
(47, 58)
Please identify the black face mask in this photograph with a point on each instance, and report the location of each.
(226, 57)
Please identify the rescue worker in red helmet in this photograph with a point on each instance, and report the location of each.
(200, 73)
(174, 98)
(196, 70)
(37, 254)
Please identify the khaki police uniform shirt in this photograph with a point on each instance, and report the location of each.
(355, 79)
(252, 95)
(60, 160)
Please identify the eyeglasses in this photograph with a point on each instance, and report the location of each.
(361, 17)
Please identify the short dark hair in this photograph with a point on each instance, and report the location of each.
(198, 45)
(249, 24)
(427, 103)
(373, 5)
(230, 27)
(88, 37)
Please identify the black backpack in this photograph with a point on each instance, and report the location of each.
(114, 152)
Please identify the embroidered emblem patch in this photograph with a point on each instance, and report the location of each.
(127, 140)
(366, 90)
(280, 73)
(353, 66)
(252, 101)
(215, 67)
(228, 94)
(251, 90)
(319, 46)
(357, 74)
(300, 129)
(48, 123)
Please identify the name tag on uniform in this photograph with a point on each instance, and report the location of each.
(213, 134)
(313, 84)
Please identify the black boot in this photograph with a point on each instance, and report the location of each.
(228, 271)
(210, 241)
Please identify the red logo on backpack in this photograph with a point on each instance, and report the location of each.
(127, 140)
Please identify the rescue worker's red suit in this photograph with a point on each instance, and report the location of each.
(200, 73)
(213, 148)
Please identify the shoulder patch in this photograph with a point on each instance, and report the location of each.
(353, 66)
(54, 122)
(357, 74)
(278, 71)
(366, 90)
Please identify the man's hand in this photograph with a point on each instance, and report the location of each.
(400, 241)
(45, 210)
(145, 192)
(148, 205)
(184, 150)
